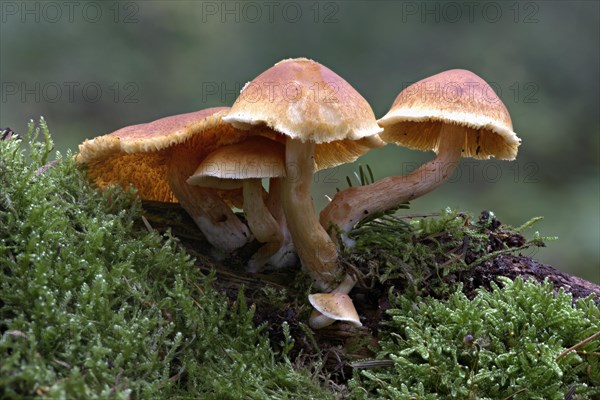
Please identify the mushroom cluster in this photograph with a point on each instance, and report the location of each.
(293, 119)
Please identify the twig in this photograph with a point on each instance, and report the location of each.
(570, 392)
(411, 216)
(494, 254)
(578, 345)
(451, 260)
(46, 167)
(589, 353)
(516, 393)
(372, 364)
(147, 224)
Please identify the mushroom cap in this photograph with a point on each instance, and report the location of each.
(305, 100)
(337, 306)
(139, 155)
(255, 158)
(456, 97)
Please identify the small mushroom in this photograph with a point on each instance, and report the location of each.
(325, 122)
(319, 320)
(244, 165)
(454, 113)
(157, 157)
(331, 307)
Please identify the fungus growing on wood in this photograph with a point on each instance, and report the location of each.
(324, 122)
(454, 113)
(331, 307)
(157, 158)
(334, 306)
(244, 165)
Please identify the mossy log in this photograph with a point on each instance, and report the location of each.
(340, 343)
(88, 298)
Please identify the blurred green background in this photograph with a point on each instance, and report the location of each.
(92, 67)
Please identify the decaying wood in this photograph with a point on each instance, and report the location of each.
(341, 343)
(513, 266)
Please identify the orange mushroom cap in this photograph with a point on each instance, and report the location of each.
(138, 155)
(305, 100)
(456, 97)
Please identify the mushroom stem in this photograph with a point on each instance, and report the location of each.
(262, 224)
(274, 203)
(315, 248)
(285, 256)
(351, 205)
(212, 215)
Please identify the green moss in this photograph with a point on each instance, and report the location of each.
(418, 252)
(92, 308)
(439, 344)
(502, 344)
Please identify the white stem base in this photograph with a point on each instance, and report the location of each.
(221, 227)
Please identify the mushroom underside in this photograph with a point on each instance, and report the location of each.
(222, 228)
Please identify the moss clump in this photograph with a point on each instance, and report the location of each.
(502, 344)
(92, 308)
(418, 253)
